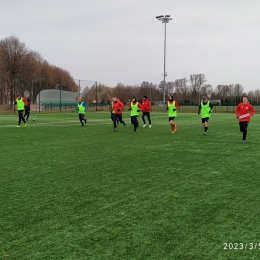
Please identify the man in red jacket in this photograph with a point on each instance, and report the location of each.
(244, 112)
(118, 107)
(146, 111)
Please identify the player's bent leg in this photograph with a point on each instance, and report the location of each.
(205, 127)
(28, 115)
(136, 121)
(241, 127)
(81, 116)
(143, 119)
(114, 121)
(172, 124)
(174, 128)
(121, 120)
(245, 125)
(149, 119)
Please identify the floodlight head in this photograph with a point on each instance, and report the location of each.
(167, 16)
(159, 16)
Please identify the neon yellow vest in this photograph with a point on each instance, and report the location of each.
(81, 108)
(172, 106)
(112, 104)
(205, 110)
(20, 104)
(134, 109)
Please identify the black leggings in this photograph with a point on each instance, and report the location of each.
(27, 113)
(116, 118)
(112, 118)
(134, 121)
(20, 117)
(243, 128)
(148, 116)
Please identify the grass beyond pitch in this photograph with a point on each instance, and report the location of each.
(72, 192)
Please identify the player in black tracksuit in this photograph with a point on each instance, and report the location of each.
(27, 110)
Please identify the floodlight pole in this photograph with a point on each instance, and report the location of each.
(14, 91)
(79, 87)
(164, 19)
(164, 81)
(60, 94)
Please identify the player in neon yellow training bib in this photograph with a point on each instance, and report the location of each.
(21, 103)
(172, 107)
(135, 108)
(82, 108)
(205, 109)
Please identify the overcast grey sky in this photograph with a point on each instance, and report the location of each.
(112, 41)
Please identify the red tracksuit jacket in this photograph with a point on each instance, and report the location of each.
(244, 112)
(146, 105)
(118, 107)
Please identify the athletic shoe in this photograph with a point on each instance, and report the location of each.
(25, 124)
(85, 121)
(144, 125)
(204, 133)
(150, 126)
(18, 126)
(115, 130)
(173, 132)
(124, 123)
(243, 141)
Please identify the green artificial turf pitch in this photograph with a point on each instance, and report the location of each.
(73, 192)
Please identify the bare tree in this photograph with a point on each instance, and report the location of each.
(251, 96)
(257, 96)
(148, 89)
(13, 58)
(206, 90)
(197, 81)
(13, 54)
(143, 89)
(85, 93)
(238, 90)
(181, 90)
(118, 91)
(26, 71)
(224, 92)
(104, 93)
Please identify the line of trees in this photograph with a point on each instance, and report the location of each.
(185, 91)
(26, 71)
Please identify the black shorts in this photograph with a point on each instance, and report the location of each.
(117, 117)
(146, 114)
(205, 119)
(243, 126)
(171, 118)
(134, 120)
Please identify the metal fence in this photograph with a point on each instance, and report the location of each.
(45, 95)
(105, 107)
(54, 96)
